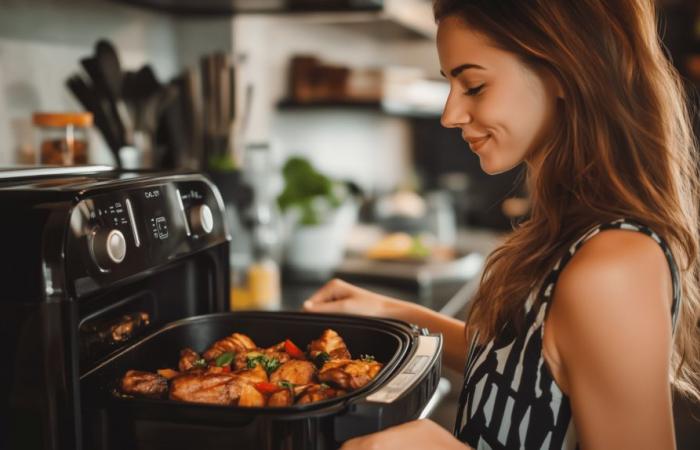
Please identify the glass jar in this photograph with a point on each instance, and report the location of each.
(62, 138)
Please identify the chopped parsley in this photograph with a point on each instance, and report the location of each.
(201, 362)
(286, 384)
(367, 358)
(267, 363)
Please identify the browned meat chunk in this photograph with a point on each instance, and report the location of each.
(250, 396)
(188, 357)
(331, 344)
(295, 372)
(349, 374)
(235, 343)
(213, 388)
(318, 392)
(144, 383)
(255, 375)
(281, 399)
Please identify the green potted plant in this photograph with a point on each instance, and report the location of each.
(319, 213)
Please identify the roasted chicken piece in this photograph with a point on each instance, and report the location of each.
(145, 384)
(188, 358)
(282, 398)
(236, 343)
(331, 344)
(250, 396)
(215, 388)
(349, 374)
(286, 396)
(318, 392)
(255, 375)
(294, 371)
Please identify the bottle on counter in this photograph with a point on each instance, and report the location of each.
(62, 137)
(257, 286)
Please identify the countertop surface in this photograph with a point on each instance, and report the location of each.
(445, 288)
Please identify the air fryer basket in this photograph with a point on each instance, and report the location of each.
(115, 422)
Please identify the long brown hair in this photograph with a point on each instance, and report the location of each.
(623, 149)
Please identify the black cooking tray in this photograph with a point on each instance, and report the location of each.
(115, 421)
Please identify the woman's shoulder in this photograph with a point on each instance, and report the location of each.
(617, 285)
(615, 252)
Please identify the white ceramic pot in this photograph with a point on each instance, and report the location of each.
(321, 248)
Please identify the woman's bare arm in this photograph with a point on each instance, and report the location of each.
(341, 297)
(612, 334)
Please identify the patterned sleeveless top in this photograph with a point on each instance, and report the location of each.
(510, 399)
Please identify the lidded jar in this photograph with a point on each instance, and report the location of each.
(62, 138)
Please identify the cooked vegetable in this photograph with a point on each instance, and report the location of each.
(268, 388)
(267, 363)
(292, 350)
(168, 374)
(201, 362)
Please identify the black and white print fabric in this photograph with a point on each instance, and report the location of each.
(510, 399)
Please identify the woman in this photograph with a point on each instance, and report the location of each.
(577, 329)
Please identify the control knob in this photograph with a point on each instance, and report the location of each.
(108, 247)
(202, 219)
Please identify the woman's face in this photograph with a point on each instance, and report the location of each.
(503, 107)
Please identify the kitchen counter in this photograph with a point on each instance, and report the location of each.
(445, 288)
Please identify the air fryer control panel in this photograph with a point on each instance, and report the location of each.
(123, 232)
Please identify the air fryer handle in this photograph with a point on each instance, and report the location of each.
(418, 366)
(399, 400)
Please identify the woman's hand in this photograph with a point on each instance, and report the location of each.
(340, 297)
(337, 296)
(419, 434)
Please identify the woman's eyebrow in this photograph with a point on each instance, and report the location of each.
(461, 68)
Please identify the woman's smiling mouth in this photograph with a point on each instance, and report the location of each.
(476, 142)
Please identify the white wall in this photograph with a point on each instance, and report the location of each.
(42, 41)
(368, 147)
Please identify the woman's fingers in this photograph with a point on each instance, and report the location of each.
(332, 291)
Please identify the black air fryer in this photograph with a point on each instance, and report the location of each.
(107, 271)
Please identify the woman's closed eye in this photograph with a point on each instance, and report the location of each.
(474, 91)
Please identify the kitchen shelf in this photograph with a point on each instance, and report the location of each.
(375, 106)
(233, 7)
(380, 19)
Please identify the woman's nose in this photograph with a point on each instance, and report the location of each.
(455, 113)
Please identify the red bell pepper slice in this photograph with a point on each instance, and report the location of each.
(267, 388)
(293, 351)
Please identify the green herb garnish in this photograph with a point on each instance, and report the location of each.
(201, 362)
(321, 359)
(267, 363)
(225, 359)
(286, 384)
(324, 386)
(367, 358)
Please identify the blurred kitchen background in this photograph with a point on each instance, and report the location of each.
(317, 119)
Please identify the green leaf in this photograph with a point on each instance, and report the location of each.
(225, 359)
(286, 384)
